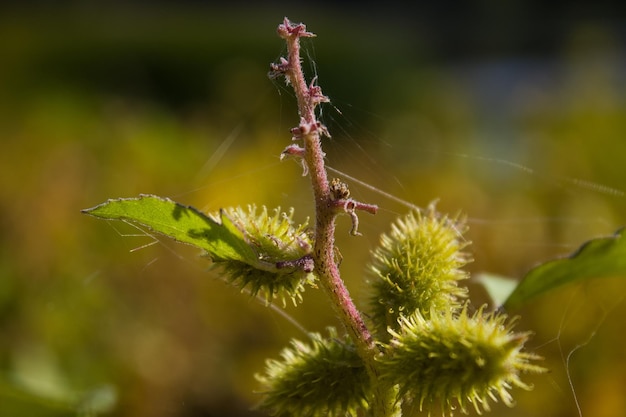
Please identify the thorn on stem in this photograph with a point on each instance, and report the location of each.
(306, 128)
(315, 94)
(323, 130)
(295, 151)
(279, 69)
(292, 150)
(296, 132)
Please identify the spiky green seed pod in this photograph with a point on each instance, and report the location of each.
(280, 265)
(325, 377)
(417, 267)
(457, 360)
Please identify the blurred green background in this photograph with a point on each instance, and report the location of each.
(513, 114)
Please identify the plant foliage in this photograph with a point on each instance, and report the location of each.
(263, 252)
(597, 258)
(426, 347)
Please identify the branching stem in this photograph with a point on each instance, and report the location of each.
(310, 131)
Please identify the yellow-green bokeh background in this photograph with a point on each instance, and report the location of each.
(98, 103)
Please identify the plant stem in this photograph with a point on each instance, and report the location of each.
(309, 130)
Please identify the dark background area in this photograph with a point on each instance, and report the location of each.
(513, 113)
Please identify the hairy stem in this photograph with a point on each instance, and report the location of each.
(309, 131)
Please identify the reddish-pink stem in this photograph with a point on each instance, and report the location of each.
(326, 207)
(324, 252)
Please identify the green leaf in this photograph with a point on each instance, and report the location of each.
(263, 252)
(499, 288)
(223, 241)
(603, 257)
